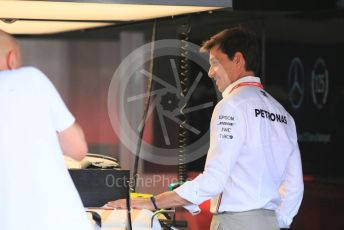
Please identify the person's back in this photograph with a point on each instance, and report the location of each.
(269, 145)
(37, 192)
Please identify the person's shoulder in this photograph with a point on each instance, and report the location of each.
(239, 97)
(276, 103)
(33, 74)
(25, 74)
(226, 103)
(31, 71)
(247, 93)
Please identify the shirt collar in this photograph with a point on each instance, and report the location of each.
(240, 80)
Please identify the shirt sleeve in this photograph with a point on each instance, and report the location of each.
(59, 113)
(291, 190)
(193, 209)
(227, 133)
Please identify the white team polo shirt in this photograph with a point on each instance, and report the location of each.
(253, 160)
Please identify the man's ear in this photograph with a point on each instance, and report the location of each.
(239, 59)
(12, 60)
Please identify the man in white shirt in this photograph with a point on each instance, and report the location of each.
(36, 127)
(253, 172)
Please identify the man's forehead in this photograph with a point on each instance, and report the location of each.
(213, 53)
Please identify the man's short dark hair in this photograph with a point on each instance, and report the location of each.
(237, 39)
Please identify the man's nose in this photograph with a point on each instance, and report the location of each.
(211, 72)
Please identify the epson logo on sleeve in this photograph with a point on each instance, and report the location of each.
(226, 117)
(271, 116)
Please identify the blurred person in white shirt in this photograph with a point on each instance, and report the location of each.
(36, 128)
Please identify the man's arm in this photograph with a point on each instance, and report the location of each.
(72, 142)
(163, 200)
(291, 191)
